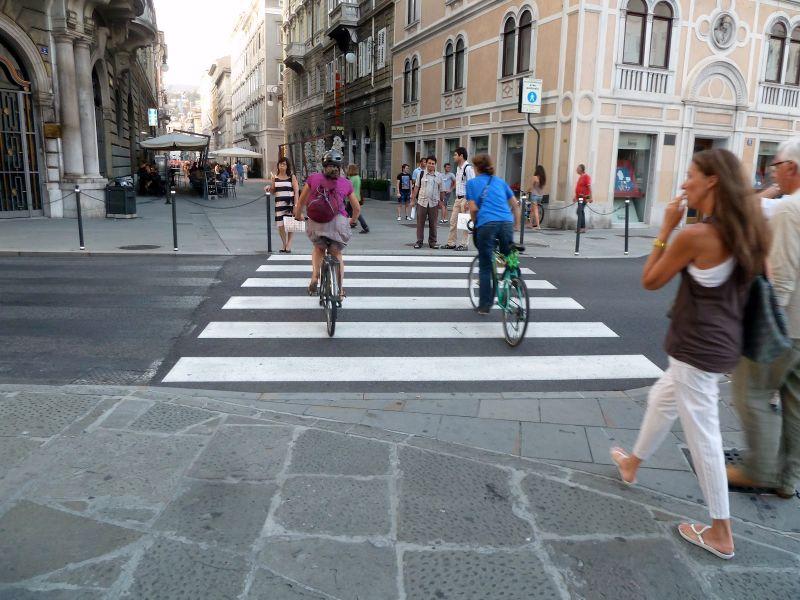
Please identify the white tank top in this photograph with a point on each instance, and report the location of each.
(714, 276)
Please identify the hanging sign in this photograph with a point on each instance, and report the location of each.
(152, 117)
(530, 95)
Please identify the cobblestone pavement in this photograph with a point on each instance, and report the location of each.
(119, 492)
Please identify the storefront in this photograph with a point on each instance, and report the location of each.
(632, 176)
(513, 155)
(479, 145)
(766, 155)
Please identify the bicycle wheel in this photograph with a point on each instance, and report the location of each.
(474, 285)
(516, 311)
(331, 296)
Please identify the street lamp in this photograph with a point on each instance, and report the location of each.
(271, 89)
(350, 57)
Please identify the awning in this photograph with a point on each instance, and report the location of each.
(176, 141)
(236, 153)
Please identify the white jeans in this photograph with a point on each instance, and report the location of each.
(693, 395)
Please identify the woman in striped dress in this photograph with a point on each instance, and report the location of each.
(284, 189)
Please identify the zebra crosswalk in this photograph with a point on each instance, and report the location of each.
(406, 325)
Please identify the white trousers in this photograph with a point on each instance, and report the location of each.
(693, 395)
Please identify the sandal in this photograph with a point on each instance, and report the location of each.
(616, 455)
(283, 250)
(312, 288)
(698, 541)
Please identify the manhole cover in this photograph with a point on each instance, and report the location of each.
(140, 247)
(733, 456)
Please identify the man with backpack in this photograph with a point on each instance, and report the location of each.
(324, 196)
(458, 240)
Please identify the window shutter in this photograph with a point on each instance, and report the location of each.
(370, 56)
(380, 55)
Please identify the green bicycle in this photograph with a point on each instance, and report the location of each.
(508, 289)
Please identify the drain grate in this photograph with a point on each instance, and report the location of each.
(734, 457)
(139, 247)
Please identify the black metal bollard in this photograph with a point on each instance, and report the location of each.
(174, 223)
(269, 224)
(627, 221)
(578, 228)
(80, 216)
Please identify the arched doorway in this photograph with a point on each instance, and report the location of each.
(20, 183)
(99, 122)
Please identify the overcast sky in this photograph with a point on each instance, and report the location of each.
(196, 33)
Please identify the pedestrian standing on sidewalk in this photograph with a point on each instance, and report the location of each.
(538, 182)
(583, 192)
(240, 172)
(426, 195)
(355, 179)
(773, 440)
(246, 168)
(403, 193)
(448, 186)
(285, 189)
(458, 239)
(717, 259)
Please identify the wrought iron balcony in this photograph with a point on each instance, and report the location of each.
(294, 56)
(343, 20)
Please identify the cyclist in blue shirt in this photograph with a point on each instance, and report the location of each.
(491, 202)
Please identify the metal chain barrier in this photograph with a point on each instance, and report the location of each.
(619, 208)
(547, 208)
(225, 207)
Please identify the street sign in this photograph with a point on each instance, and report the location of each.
(152, 117)
(530, 95)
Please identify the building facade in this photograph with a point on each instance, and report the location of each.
(631, 89)
(220, 108)
(338, 84)
(255, 77)
(77, 79)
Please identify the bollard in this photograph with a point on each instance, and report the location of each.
(174, 222)
(523, 211)
(80, 216)
(269, 223)
(578, 228)
(627, 217)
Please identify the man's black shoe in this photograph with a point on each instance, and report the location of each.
(417, 245)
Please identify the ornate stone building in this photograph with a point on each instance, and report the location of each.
(338, 86)
(631, 88)
(77, 78)
(221, 121)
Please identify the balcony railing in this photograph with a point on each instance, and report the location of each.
(639, 79)
(346, 12)
(784, 96)
(294, 56)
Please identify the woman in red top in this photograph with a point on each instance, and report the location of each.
(583, 190)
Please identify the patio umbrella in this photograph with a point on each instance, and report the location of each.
(175, 141)
(235, 153)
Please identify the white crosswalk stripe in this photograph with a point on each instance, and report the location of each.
(273, 331)
(350, 282)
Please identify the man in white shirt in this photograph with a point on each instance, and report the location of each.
(459, 239)
(773, 440)
(448, 187)
(428, 194)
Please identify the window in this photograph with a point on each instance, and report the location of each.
(412, 14)
(407, 82)
(793, 63)
(449, 62)
(414, 80)
(635, 20)
(480, 145)
(660, 36)
(524, 36)
(459, 64)
(508, 47)
(777, 43)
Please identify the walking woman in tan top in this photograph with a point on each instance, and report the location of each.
(717, 259)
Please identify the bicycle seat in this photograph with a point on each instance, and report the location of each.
(517, 247)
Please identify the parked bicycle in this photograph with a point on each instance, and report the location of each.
(509, 291)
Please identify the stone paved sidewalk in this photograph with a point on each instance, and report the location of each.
(137, 493)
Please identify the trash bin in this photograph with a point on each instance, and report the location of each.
(120, 202)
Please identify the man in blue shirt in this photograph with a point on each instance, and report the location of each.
(490, 204)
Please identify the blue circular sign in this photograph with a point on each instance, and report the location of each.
(532, 97)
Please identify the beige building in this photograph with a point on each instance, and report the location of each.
(219, 110)
(631, 88)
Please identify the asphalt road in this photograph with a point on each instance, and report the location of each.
(127, 320)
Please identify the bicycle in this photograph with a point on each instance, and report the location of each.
(329, 297)
(511, 294)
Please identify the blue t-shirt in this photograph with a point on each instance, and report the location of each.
(494, 204)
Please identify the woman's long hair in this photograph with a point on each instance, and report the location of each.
(483, 164)
(737, 212)
(352, 170)
(539, 172)
(288, 164)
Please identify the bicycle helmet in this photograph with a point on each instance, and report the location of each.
(332, 157)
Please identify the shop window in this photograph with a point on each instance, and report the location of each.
(514, 154)
(635, 21)
(766, 155)
(480, 145)
(776, 44)
(632, 176)
(450, 146)
(429, 149)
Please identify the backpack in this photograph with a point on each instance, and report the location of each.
(464, 173)
(322, 208)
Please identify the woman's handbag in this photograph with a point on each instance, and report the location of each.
(765, 331)
(290, 225)
(464, 219)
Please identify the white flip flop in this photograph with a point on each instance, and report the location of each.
(619, 451)
(700, 543)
